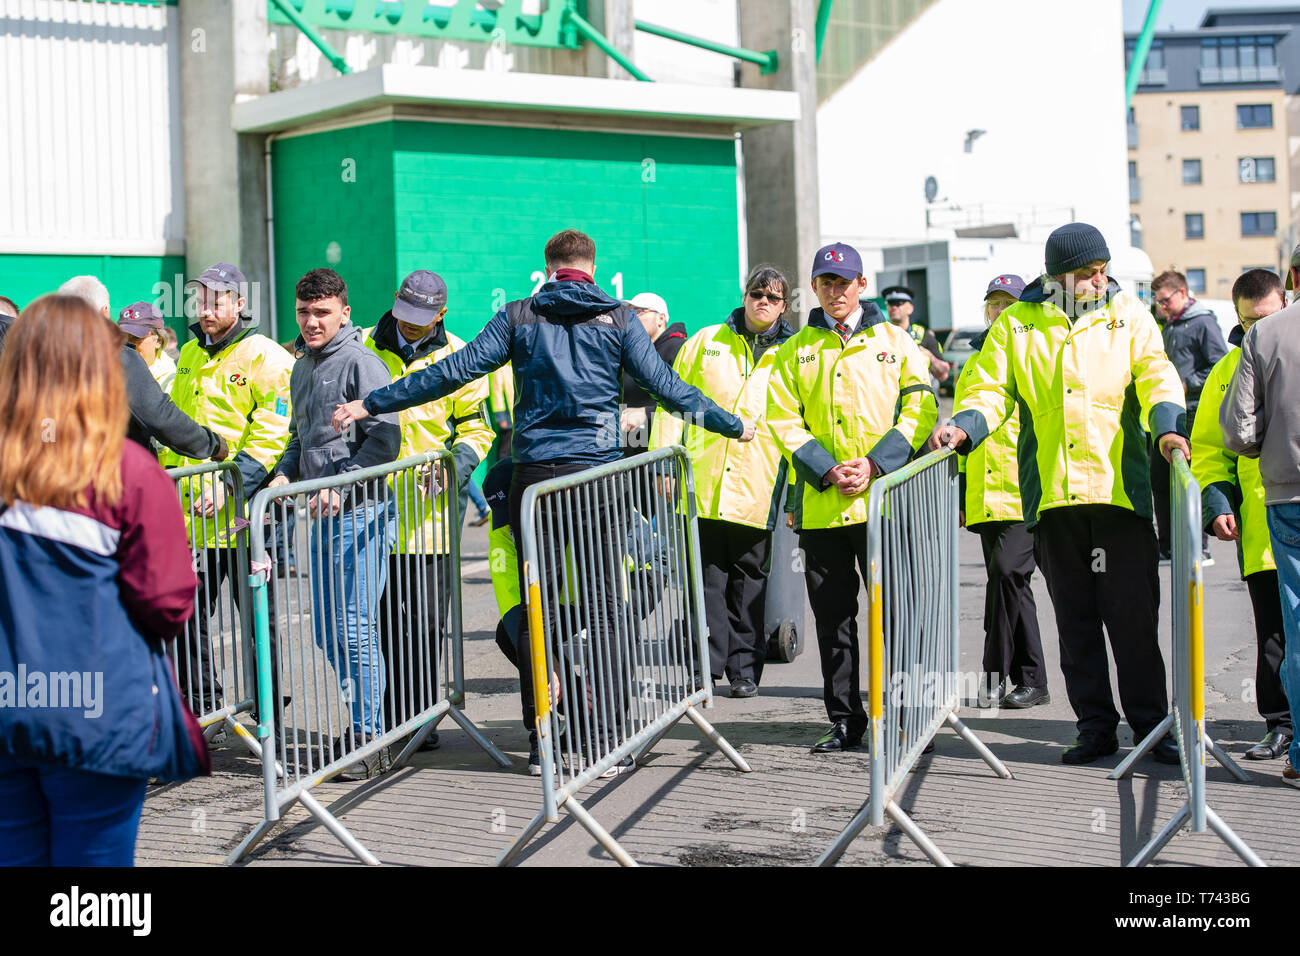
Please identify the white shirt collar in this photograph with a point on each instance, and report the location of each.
(852, 321)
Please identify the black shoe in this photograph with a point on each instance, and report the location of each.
(743, 687)
(431, 742)
(1165, 751)
(837, 739)
(1274, 745)
(377, 764)
(1025, 696)
(992, 696)
(534, 755)
(1089, 746)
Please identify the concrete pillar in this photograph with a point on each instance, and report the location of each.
(781, 199)
(223, 56)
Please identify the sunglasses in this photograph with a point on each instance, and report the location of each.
(769, 296)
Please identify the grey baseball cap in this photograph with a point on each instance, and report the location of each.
(1295, 264)
(421, 298)
(139, 319)
(223, 277)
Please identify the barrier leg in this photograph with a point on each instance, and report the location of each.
(908, 826)
(1227, 762)
(1126, 765)
(476, 735)
(600, 833)
(417, 740)
(717, 739)
(513, 850)
(968, 735)
(338, 829)
(850, 833)
(1157, 842)
(251, 742)
(655, 739)
(1227, 836)
(251, 841)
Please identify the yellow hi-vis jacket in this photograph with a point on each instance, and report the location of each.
(832, 400)
(454, 422)
(1085, 390)
(990, 473)
(240, 390)
(501, 396)
(735, 481)
(163, 370)
(1229, 484)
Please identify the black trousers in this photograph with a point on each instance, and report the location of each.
(1100, 564)
(1012, 645)
(603, 718)
(412, 623)
(733, 557)
(833, 584)
(1270, 698)
(200, 678)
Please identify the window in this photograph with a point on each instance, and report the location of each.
(1191, 172)
(1256, 169)
(1230, 53)
(1194, 225)
(1255, 116)
(1258, 223)
(1196, 281)
(1155, 55)
(1191, 118)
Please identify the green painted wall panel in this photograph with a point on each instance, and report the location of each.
(477, 203)
(129, 279)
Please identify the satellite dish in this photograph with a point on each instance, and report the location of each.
(931, 188)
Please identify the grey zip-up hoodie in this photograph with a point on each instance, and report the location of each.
(343, 370)
(1260, 415)
(1194, 344)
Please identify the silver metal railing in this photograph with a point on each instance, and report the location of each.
(616, 622)
(367, 639)
(914, 649)
(1187, 707)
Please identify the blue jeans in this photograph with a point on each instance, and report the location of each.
(1284, 532)
(349, 566)
(476, 496)
(53, 816)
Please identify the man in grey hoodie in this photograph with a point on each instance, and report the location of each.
(352, 526)
(1260, 418)
(1194, 343)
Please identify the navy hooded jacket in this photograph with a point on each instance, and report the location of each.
(567, 346)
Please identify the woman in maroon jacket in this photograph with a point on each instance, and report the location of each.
(95, 573)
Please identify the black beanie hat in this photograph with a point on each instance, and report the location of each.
(1074, 246)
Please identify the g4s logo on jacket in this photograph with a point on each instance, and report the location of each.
(888, 357)
(237, 379)
(1114, 324)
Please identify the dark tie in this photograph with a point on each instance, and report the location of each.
(843, 329)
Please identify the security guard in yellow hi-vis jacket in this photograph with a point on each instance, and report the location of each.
(850, 400)
(990, 477)
(410, 338)
(1232, 507)
(235, 381)
(737, 485)
(1085, 365)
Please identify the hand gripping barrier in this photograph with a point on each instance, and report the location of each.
(213, 656)
(615, 605)
(914, 654)
(363, 648)
(1187, 711)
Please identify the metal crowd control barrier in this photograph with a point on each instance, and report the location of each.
(213, 656)
(616, 621)
(914, 649)
(366, 640)
(1187, 711)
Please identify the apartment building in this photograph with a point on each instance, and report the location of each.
(1209, 163)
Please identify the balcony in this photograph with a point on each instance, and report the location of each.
(1241, 74)
(1157, 77)
(1132, 135)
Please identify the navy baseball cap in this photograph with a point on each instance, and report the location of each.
(139, 319)
(839, 259)
(420, 299)
(223, 277)
(1012, 285)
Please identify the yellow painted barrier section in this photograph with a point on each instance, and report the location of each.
(876, 660)
(537, 642)
(1196, 634)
